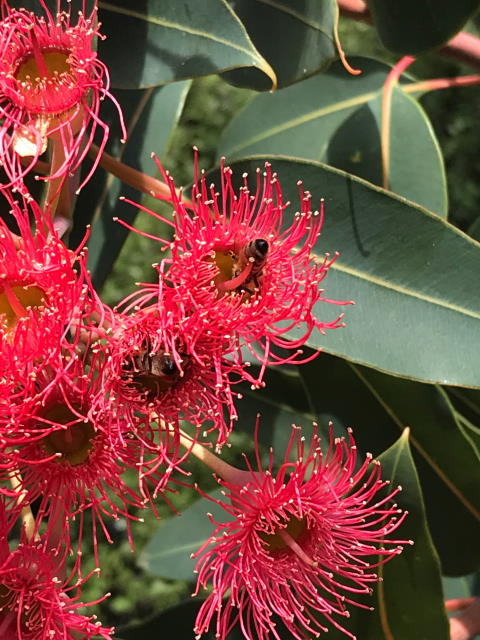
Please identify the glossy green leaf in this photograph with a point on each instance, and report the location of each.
(153, 114)
(336, 118)
(447, 455)
(296, 39)
(417, 306)
(151, 42)
(410, 598)
(461, 587)
(415, 26)
(168, 551)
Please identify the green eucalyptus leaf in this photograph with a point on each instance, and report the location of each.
(151, 42)
(417, 306)
(336, 118)
(446, 454)
(461, 587)
(296, 39)
(415, 26)
(409, 600)
(168, 551)
(410, 597)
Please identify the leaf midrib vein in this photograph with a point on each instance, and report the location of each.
(307, 117)
(402, 290)
(161, 22)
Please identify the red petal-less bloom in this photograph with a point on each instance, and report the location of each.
(51, 87)
(302, 544)
(240, 261)
(168, 364)
(35, 604)
(77, 461)
(45, 297)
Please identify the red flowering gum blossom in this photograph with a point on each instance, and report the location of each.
(45, 298)
(35, 604)
(302, 543)
(51, 87)
(73, 449)
(242, 263)
(168, 364)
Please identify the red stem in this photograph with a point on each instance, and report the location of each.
(463, 46)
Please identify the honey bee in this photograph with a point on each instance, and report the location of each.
(255, 253)
(152, 373)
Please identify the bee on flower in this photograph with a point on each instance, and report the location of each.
(168, 364)
(249, 264)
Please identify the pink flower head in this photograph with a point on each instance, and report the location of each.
(45, 298)
(73, 449)
(240, 260)
(167, 364)
(302, 543)
(35, 604)
(51, 87)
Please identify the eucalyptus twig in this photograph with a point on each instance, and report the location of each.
(467, 624)
(463, 46)
(433, 84)
(390, 82)
(133, 177)
(218, 466)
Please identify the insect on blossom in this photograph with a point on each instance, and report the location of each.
(249, 263)
(302, 544)
(167, 364)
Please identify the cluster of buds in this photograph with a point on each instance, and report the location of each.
(89, 392)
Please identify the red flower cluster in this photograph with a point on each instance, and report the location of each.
(251, 271)
(88, 393)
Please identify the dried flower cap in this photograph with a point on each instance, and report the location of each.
(36, 604)
(51, 86)
(302, 543)
(248, 262)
